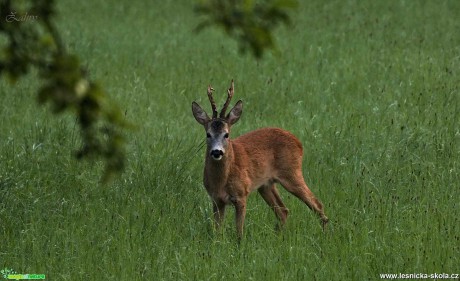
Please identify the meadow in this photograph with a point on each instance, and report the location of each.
(370, 88)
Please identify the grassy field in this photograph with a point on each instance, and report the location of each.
(370, 88)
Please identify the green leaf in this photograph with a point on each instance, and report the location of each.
(290, 4)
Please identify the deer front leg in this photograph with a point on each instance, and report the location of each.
(240, 214)
(219, 212)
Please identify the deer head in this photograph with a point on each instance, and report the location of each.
(218, 128)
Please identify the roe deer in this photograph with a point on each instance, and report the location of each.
(254, 161)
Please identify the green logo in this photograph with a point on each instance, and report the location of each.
(7, 271)
(10, 274)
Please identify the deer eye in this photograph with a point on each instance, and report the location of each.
(208, 135)
(226, 135)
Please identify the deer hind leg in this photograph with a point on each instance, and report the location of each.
(271, 196)
(298, 187)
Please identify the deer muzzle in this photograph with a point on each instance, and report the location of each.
(217, 154)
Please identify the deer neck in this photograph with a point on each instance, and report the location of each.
(218, 171)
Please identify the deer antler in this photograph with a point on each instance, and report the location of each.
(213, 103)
(230, 92)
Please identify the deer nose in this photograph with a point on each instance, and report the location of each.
(217, 154)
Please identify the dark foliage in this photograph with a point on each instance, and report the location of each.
(250, 22)
(34, 42)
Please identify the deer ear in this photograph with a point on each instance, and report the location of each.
(235, 114)
(199, 114)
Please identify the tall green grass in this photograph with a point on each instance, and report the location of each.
(371, 89)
